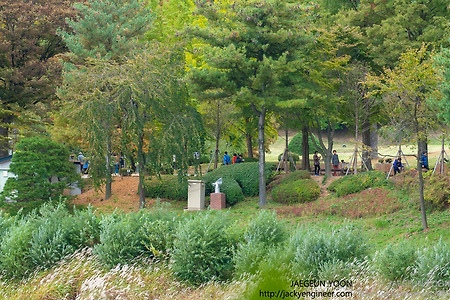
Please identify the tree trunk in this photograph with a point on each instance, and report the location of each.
(421, 195)
(419, 170)
(286, 153)
(262, 157)
(108, 170)
(4, 144)
(216, 158)
(141, 161)
(248, 138)
(305, 149)
(367, 142)
(374, 140)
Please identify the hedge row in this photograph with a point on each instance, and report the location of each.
(208, 246)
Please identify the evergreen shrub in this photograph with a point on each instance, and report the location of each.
(167, 187)
(295, 144)
(232, 191)
(312, 249)
(356, 183)
(121, 239)
(202, 250)
(263, 233)
(35, 162)
(397, 263)
(433, 265)
(246, 175)
(15, 260)
(295, 157)
(296, 191)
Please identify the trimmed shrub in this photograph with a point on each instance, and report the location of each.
(397, 263)
(202, 251)
(298, 191)
(295, 157)
(167, 187)
(313, 249)
(232, 191)
(246, 175)
(295, 145)
(356, 183)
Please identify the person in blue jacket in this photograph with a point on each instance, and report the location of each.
(424, 161)
(398, 165)
(226, 159)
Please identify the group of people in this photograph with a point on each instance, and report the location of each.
(335, 163)
(227, 160)
(398, 166)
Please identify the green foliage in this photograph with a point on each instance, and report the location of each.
(295, 145)
(44, 237)
(433, 264)
(296, 191)
(356, 183)
(120, 239)
(232, 190)
(202, 251)
(437, 191)
(168, 187)
(313, 249)
(107, 29)
(35, 162)
(15, 260)
(246, 175)
(397, 262)
(295, 157)
(263, 233)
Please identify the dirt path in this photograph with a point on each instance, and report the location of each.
(124, 196)
(323, 187)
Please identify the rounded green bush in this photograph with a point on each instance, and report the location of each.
(202, 251)
(357, 183)
(297, 191)
(246, 175)
(295, 145)
(295, 157)
(232, 190)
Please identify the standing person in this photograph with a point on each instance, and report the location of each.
(424, 161)
(397, 165)
(81, 160)
(234, 158)
(316, 159)
(226, 159)
(335, 162)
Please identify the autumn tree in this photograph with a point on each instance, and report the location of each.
(29, 68)
(406, 90)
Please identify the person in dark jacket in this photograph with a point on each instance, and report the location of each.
(226, 159)
(335, 162)
(398, 165)
(424, 161)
